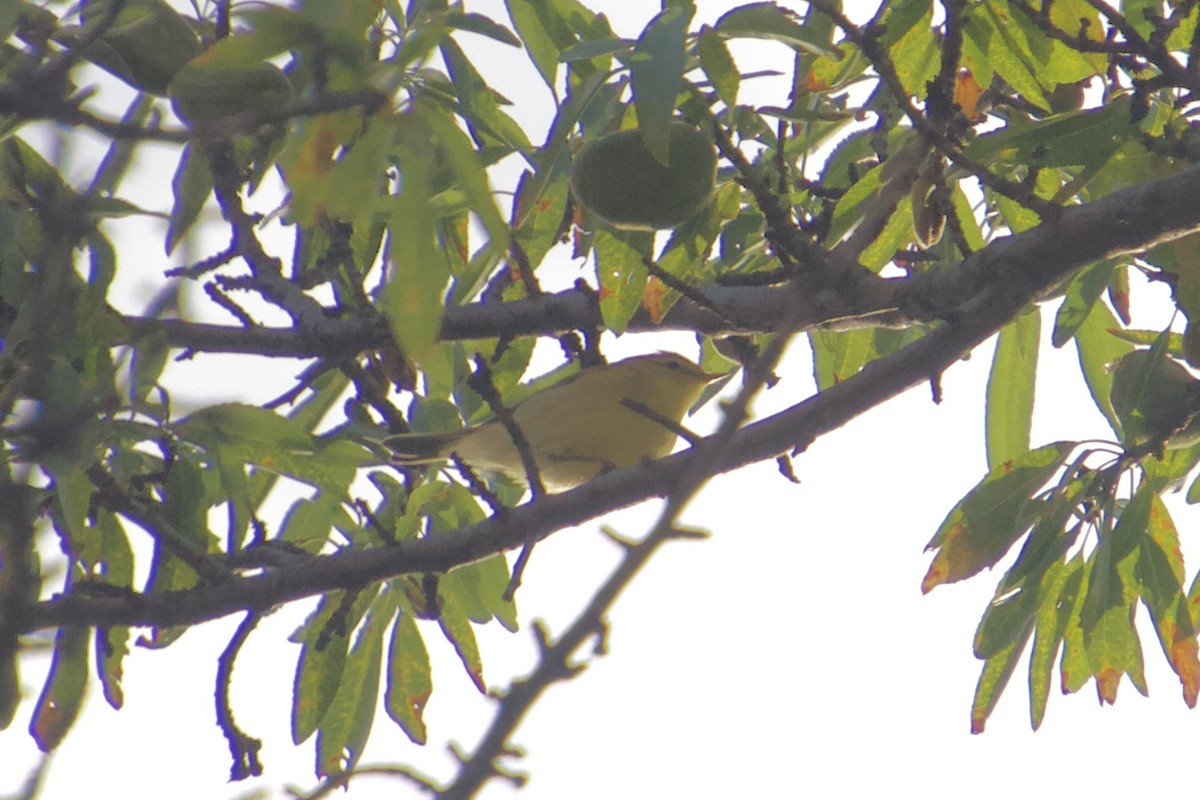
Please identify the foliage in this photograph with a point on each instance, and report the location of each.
(984, 161)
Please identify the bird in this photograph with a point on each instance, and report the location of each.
(602, 418)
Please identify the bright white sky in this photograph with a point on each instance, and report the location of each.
(792, 655)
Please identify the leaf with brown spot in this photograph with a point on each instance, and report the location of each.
(992, 516)
(1160, 575)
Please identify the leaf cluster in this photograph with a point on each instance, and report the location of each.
(927, 179)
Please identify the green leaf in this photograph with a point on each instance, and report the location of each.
(543, 218)
(1085, 137)
(1061, 586)
(1010, 391)
(992, 516)
(478, 589)
(995, 675)
(1007, 620)
(347, 723)
(622, 273)
(191, 186)
(537, 23)
(62, 696)
(774, 22)
(115, 566)
(352, 188)
(478, 104)
(656, 69)
(484, 26)
(326, 638)
(412, 296)
(472, 177)
(1097, 348)
(719, 66)
(1075, 668)
(1160, 575)
(457, 630)
(409, 679)
(585, 51)
(900, 17)
(895, 236)
(1112, 650)
(1106, 616)
(121, 152)
(966, 219)
(247, 428)
(1082, 293)
(1010, 55)
(916, 56)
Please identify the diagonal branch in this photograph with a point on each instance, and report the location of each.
(983, 295)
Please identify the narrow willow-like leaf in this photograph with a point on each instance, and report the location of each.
(536, 21)
(1010, 390)
(1061, 585)
(992, 516)
(346, 725)
(656, 72)
(1082, 294)
(479, 588)
(64, 690)
(1160, 575)
(412, 297)
(1097, 348)
(719, 66)
(112, 644)
(457, 630)
(322, 658)
(772, 21)
(409, 679)
(994, 677)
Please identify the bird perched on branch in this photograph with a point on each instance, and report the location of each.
(604, 417)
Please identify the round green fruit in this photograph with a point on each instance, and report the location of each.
(203, 94)
(1155, 400)
(620, 180)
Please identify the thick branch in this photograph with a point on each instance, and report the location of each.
(990, 290)
(1125, 221)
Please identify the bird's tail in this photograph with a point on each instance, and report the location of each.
(421, 448)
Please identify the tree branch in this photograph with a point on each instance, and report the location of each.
(989, 290)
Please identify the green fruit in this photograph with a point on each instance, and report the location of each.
(620, 180)
(1156, 401)
(201, 93)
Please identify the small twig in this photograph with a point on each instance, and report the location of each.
(204, 265)
(341, 780)
(665, 421)
(518, 572)
(477, 486)
(786, 468)
(213, 290)
(244, 749)
(481, 382)
(690, 292)
(881, 61)
(148, 517)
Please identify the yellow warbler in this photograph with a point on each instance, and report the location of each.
(600, 419)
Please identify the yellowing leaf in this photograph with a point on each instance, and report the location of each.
(989, 520)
